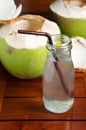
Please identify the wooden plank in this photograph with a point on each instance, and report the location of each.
(79, 74)
(23, 88)
(33, 109)
(85, 80)
(33, 88)
(80, 87)
(2, 85)
(2, 88)
(43, 125)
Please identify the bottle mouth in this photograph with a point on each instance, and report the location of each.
(63, 42)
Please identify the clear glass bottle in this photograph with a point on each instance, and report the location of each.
(58, 76)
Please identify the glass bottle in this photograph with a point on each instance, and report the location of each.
(58, 76)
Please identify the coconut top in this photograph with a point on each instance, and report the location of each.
(8, 9)
(69, 9)
(31, 23)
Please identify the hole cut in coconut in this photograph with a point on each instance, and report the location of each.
(69, 8)
(31, 23)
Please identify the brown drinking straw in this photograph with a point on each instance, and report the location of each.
(57, 67)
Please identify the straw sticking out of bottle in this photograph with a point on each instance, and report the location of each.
(57, 67)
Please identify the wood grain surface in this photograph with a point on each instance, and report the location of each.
(23, 107)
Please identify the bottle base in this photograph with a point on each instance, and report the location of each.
(58, 106)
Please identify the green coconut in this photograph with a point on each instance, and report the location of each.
(70, 15)
(9, 11)
(24, 55)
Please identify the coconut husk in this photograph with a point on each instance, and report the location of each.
(3, 22)
(25, 17)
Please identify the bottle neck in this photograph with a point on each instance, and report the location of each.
(60, 42)
(63, 51)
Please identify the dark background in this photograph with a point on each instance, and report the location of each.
(35, 6)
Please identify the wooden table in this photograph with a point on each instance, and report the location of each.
(21, 100)
(22, 107)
